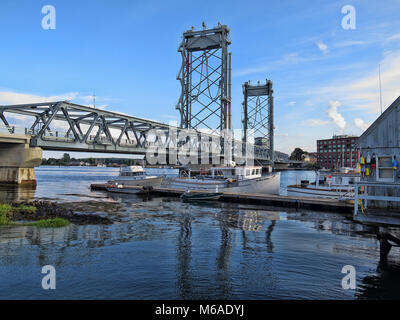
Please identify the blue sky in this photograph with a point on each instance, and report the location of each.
(325, 78)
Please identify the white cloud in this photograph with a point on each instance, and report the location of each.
(360, 124)
(351, 43)
(362, 92)
(366, 90)
(394, 37)
(314, 122)
(287, 59)
(15, 116)
(335, 116)
(291, 103)
(322, 46)
(10, 97)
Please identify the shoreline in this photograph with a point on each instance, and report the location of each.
(53, 210)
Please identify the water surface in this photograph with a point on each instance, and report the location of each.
(161, 248)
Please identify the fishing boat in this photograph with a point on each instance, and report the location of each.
(333, 185)
(247, 179)
(132, 179)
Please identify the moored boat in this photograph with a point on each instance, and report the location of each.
(247, 179)
(132, 179)
(333, 185)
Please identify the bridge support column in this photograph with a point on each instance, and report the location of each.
(17, 160)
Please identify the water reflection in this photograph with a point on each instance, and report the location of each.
(163, 248)
(184, 251)
(10, 193)
(382, 285)
(268, 233)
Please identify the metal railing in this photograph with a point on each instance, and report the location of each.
(363, 198)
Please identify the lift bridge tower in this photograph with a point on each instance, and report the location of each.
(258, 115)
(205, 77)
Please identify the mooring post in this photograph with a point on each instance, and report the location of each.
(385, 247)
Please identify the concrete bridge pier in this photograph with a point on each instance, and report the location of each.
(18, 159)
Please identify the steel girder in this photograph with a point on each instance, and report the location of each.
(205, 77)
(63, 125)
(258, 109)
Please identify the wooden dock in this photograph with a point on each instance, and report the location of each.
(318, 204)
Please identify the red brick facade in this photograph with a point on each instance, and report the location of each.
(337, 152)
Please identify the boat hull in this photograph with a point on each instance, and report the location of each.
(201, 196)
(132, 186)
(269, 184)
(299, 191)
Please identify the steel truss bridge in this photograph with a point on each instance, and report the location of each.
(65, 126)
(204, 104)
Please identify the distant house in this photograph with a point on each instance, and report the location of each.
(311, 158)
(380, 145)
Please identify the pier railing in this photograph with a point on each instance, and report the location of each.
(362, 198)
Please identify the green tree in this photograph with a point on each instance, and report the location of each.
(297, 153)
(66, 158)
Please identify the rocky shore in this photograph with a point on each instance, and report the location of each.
(48, 210)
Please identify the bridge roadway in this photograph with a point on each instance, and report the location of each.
(95, 130)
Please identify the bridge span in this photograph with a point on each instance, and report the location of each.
(65, 126)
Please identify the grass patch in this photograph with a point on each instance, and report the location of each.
(5, 213)
(26, 209)
(49, 223)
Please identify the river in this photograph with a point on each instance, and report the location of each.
(161, 248)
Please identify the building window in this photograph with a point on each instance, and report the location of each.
(384, 169)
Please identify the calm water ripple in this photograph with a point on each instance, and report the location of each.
(161, 248)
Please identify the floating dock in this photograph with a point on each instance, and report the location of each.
(318, 204)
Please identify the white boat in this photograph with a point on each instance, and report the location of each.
(132, 177)
(333, 185)
(247, 179)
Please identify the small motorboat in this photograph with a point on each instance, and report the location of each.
(333, 185)
(200, 196)
(133, 179)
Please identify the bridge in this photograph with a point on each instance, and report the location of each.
(70, 127)
(204, 106)
(64, 126)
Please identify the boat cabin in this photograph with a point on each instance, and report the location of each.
(132, 171)
(336, 179)
(240, 173)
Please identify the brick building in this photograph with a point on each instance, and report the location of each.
(340, 151)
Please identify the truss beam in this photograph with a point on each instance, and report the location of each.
(205, 77)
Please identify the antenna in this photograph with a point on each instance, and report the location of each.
(380, 88)
(94, 100)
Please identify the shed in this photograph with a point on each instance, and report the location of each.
(380, 145)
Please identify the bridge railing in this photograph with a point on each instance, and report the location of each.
(68, 136)
(14, 129)
(101, 139)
